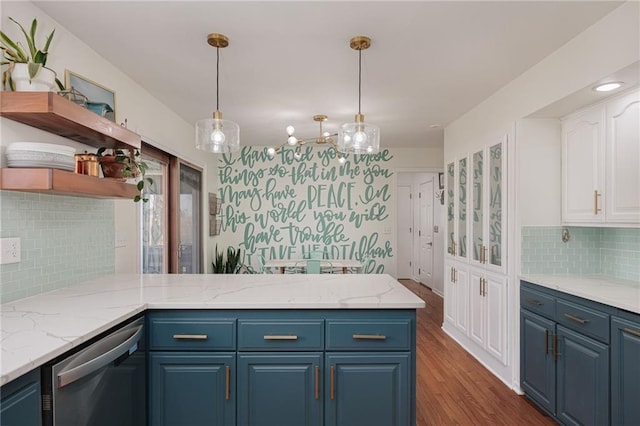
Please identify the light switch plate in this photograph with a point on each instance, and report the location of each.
(121, 239)
(9, 250)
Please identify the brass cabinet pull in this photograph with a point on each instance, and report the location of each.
(480, 286)
(576, 319)
(546, 342)
(190, 336)
(317, 382)
(484, 254)
(227, 393)
(533, 302)
(332, 382)
(595, 202)
(451, 274)
(632, 331)
(369, 337)
(280, 337)
(454, 249)
(556, 354)
(485, 286)
(455, 275)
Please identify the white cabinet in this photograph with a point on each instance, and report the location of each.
(601, 163)
(476, 256)
(623, 159)
(488, 312)
(487, 208)
(457, 295)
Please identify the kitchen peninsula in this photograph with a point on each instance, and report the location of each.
(342, 321)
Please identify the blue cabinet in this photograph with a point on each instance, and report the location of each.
(282, 368)
(188, 388)
(20, 401)
(368, 388)
(625, 370)
(537, 364)
(582, 379)
(564, 355)
(279, 389)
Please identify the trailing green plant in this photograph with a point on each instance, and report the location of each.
(231, 265)
(15, 53)
(132, 168)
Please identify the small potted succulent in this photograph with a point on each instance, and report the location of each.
(125, 164)
(26, 67)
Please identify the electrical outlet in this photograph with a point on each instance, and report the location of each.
(121, 239)
(9, 250)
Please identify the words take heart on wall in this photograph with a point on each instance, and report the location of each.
(284, 208)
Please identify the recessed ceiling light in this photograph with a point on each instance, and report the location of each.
(607, 87)
(435, 126)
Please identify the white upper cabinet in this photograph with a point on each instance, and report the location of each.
(601, 163)
(623, 159)
(487, 208)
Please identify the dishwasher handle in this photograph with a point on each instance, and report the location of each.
(108, 356)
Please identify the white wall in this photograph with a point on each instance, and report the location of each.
(144, 113)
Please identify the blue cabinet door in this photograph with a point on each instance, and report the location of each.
(583, 379)
(282, 389)
(625, 372)
(365, 388)
(192, 389)
(537, 366)
(20, 403)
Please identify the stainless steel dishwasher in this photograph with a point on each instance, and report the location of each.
(102, 384)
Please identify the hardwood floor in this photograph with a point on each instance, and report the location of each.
(452, 388)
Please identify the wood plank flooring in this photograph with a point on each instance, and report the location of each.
(452, 388)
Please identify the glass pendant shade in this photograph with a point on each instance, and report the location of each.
(217, 136)
(359, 138)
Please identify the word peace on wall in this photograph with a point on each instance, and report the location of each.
(284, 208)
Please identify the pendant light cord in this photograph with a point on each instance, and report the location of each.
(217, 78)
(359, 80)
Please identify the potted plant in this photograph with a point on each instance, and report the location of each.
(232, 265)
(123, 164)
(27, 70)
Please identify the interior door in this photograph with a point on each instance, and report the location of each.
(404, 232)
(426, 231)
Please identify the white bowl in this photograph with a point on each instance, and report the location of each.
(41, 147)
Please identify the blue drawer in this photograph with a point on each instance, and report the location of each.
(176, 333)
(280, 335)
(368, 335)
(538, 302)
(584, 320)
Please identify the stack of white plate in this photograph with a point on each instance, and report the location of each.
(34, 154)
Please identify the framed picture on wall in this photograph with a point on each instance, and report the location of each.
(100, 99)
(441, 180)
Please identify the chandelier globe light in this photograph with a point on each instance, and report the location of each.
(217, 135)
(323, 138)
(359, 137)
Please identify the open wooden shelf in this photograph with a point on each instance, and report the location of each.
(54, 181)
(55, 114)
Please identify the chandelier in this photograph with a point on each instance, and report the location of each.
(323, 138)
(215, 134)
(359, 137)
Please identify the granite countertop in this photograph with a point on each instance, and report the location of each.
(623, 294)
(37, 329)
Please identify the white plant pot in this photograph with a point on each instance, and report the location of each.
(44, 81)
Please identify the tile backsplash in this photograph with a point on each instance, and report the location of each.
(64, 240)
(613, 252)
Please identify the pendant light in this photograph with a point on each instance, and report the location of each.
(215, 134)
(359, 137)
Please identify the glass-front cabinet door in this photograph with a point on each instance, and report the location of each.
(451, 212)
(477, 200)
(495, 256)
(488, 206)
(461, 244)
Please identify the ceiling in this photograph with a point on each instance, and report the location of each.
(429, 62)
